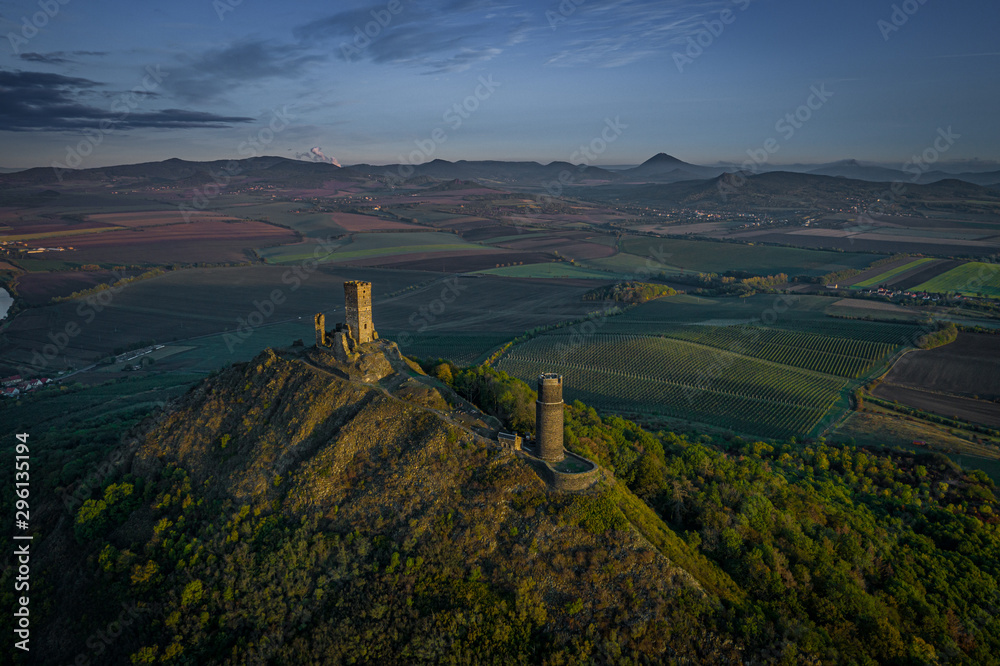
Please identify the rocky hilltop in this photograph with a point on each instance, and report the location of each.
(279, 512)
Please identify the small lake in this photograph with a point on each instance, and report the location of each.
(5, 302)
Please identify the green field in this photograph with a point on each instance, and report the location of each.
(842, 357)
(676, 378)
(806, 314)
(892, 272)
(364, 246)
(626, 264)
(459, 348)
(555, 269)
(972, 279)
(308, 224)
(423, 215)
(723, 362)
(46, 264)
(60, 234)
(710, 257)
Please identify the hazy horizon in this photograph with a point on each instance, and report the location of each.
(956, 166)
(389, 82)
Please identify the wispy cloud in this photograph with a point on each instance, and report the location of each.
(39, 101)
(618, 33)
(59, 57)
(436, 37)
(211, 74)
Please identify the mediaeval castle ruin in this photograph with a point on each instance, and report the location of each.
(345, 339)
(549, 417)
(561, 469)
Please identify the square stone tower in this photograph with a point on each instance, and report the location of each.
(358, 310)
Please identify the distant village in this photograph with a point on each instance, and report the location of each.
(15, 385)
(886, 292)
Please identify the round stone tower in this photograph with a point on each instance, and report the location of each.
(549, 417)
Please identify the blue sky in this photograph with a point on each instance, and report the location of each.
(703, 81)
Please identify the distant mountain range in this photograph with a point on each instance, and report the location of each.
(553, 177)
(783, 189)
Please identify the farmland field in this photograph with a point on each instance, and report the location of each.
(40, 288)
(368, 246)
(843, 357)
(353, 222)
(210, 241)
(806, 314)
(712, 257)
(553, 269)
(960, 379)
(885, 243)
(462, 349)
(950, 406)
(970, 366)
(970, 279)
(626, 264)
(185, 304)
(677, 378)
(892, 272)
(153, 218)
(717, 361)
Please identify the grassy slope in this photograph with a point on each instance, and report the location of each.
(881, 277)
(970, 279)
(274, 517)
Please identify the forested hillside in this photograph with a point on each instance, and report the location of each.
(275, 513)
